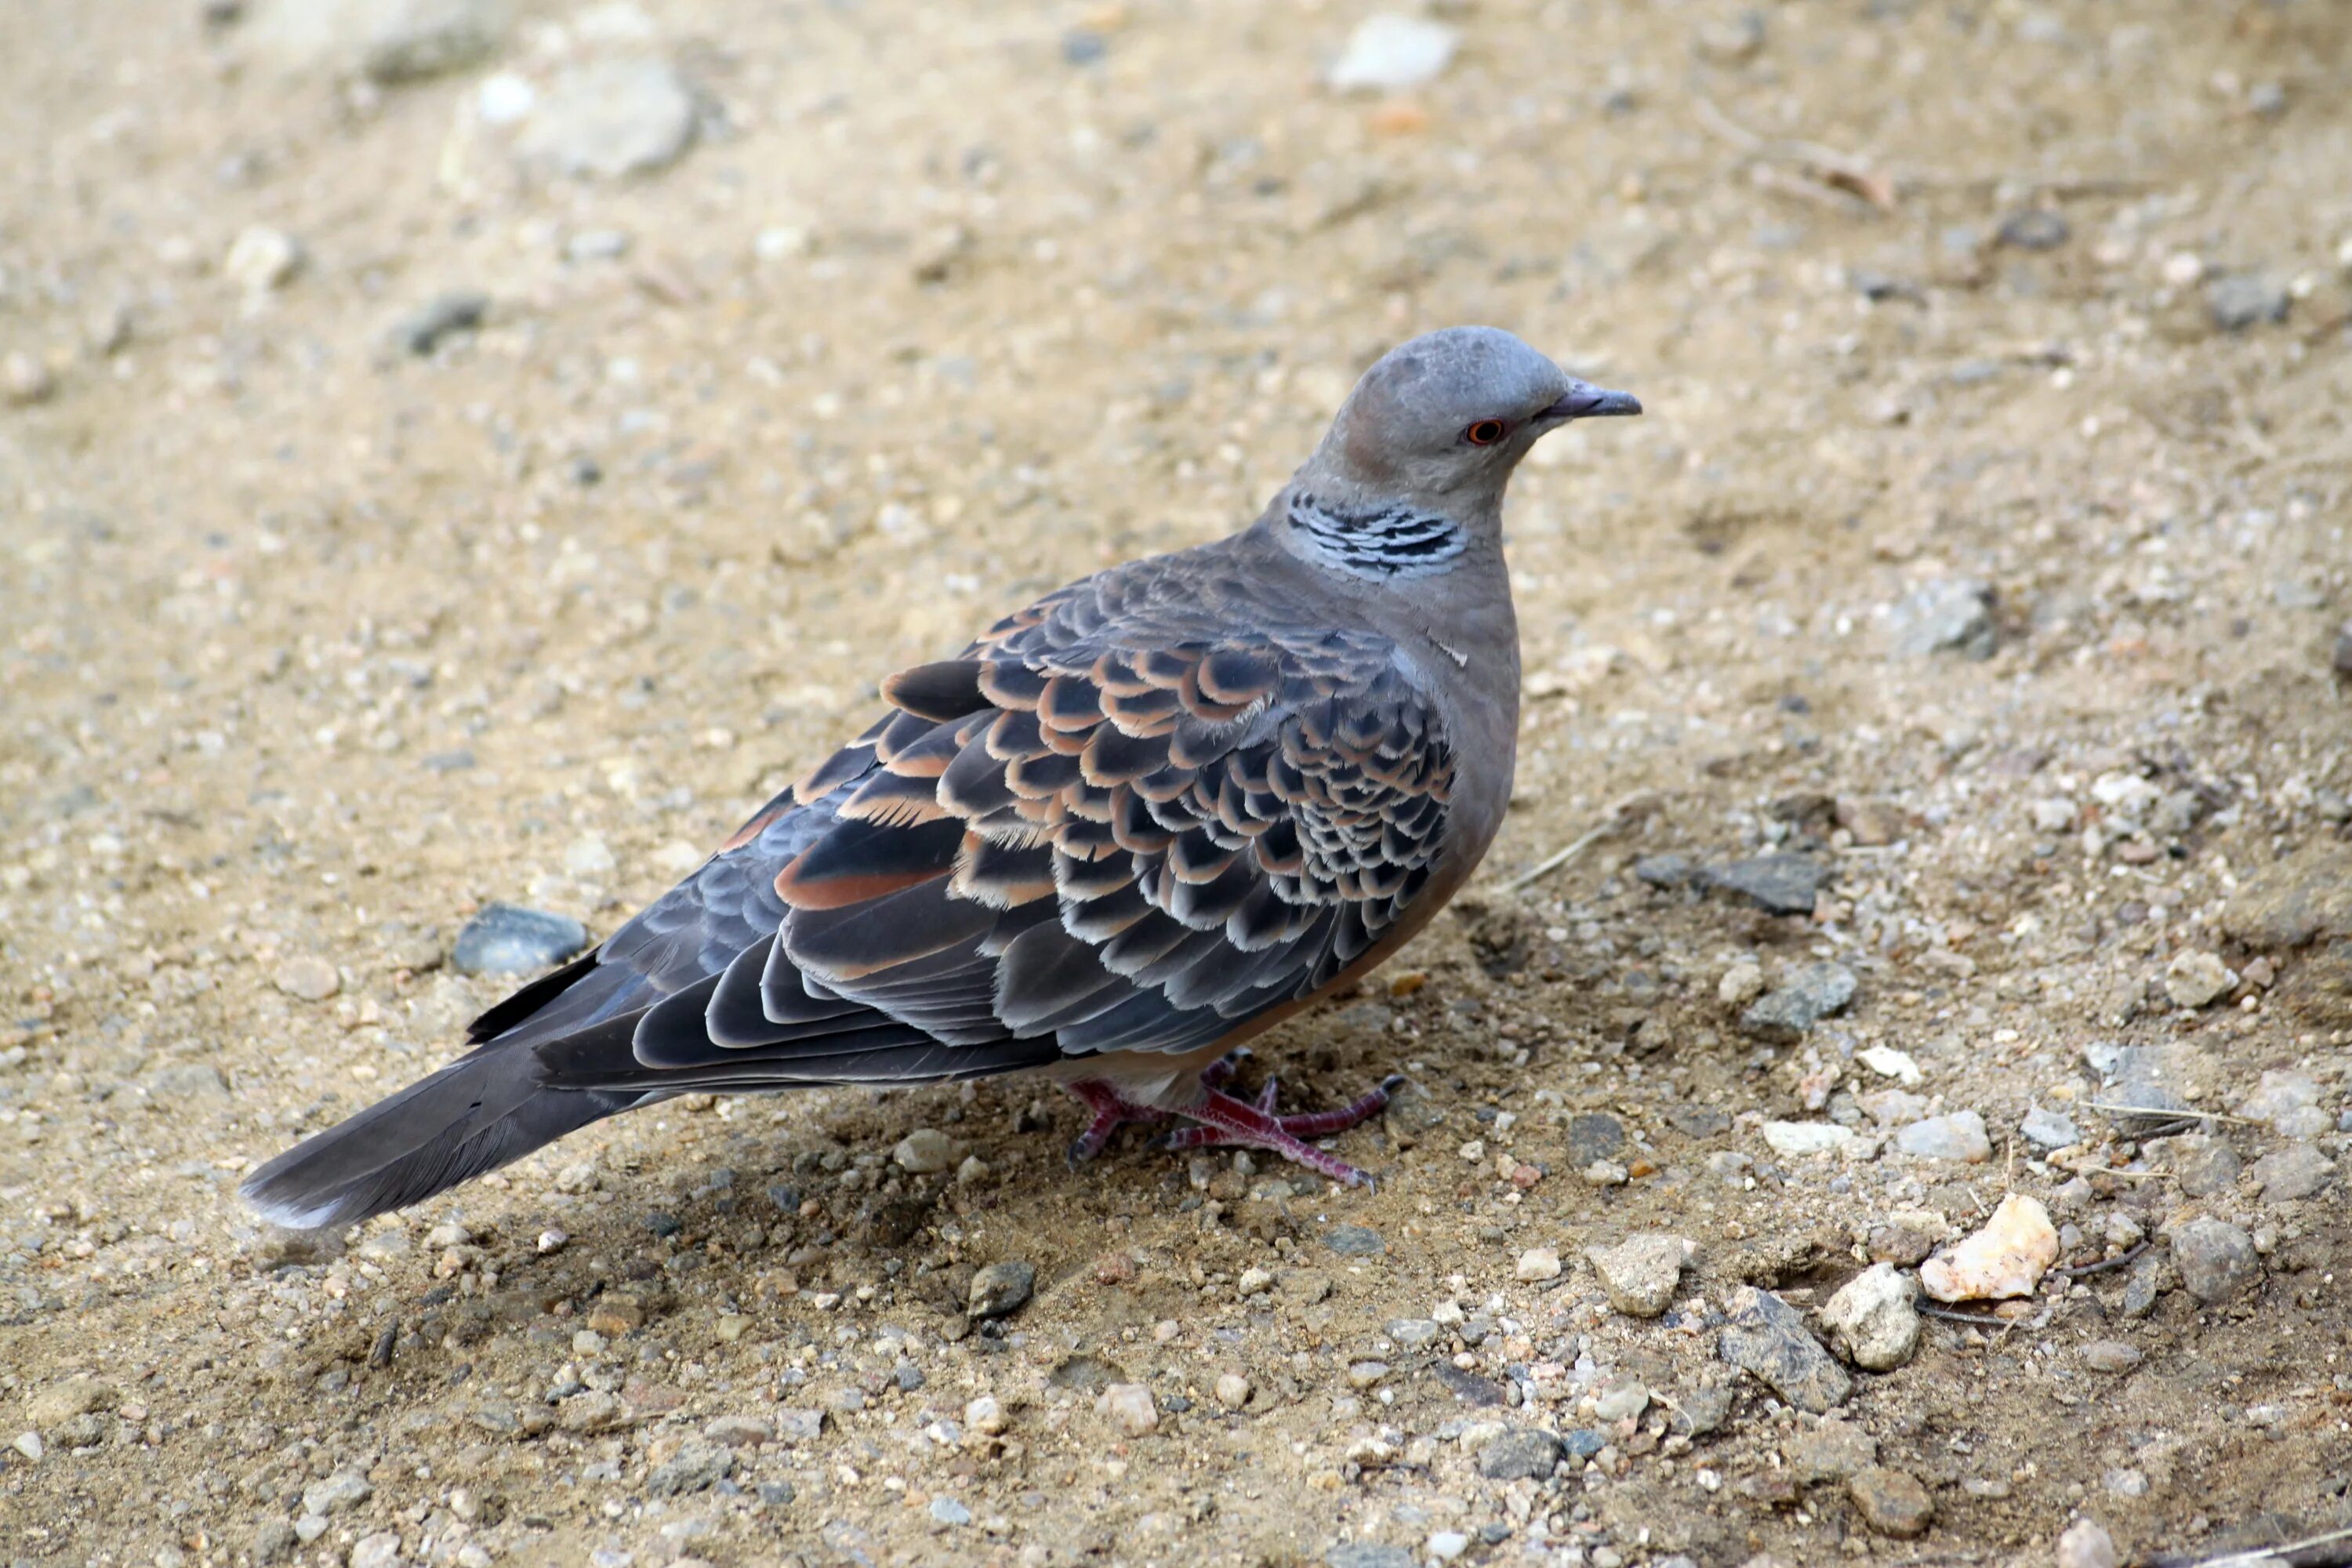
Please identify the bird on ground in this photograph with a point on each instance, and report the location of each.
(1129, 827)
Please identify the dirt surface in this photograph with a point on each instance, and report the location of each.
(1984, 545)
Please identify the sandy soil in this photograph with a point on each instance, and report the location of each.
(313, 645)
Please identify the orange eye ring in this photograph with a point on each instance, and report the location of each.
(1484, 433)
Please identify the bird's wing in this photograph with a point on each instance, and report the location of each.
(1129, 818)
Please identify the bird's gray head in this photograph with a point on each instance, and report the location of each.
(1414, 469)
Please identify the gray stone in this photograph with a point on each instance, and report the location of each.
(1950, 613)
(345, 1488)
(2086, 1544)
(798, 1424)
(2035, 228)
(1001, 1288)
(1829, 1451)
(187, 1081)
(1390, 53)
(2216, 1259)
(443, 316)
(1524, 1453)
(697, 1468)
(1701, 1410)
(2202, 1163)
(1667, 872)
(2296, 1172)
(2049, 1128)
(384, 40)
(1817, 991)
(1354, 1241)
(1893, 1502)
(1783, 883)
(1370, 1554)
(509, 939)
(2144, 1284)
(1766, 1338)
(1414, 1333)
(2114, 1357)
(611, 118)
(1872, 1320)
(2245, 300)
(2339, 658)
(1641, 1272)
(1959, 1136)
(948, 1511)
(1594, 1135)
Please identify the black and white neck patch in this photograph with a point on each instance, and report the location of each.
(1385, 542)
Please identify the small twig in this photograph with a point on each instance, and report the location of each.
(2122, 1261)
(2254, 1555)
(2168, 1113)
(1824, 166)
(2109, 1171)
(1621, 813)
(1561, 856)
(1974, 1320)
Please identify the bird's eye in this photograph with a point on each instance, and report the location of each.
(1484, 433)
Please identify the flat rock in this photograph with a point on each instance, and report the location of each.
(1959, 1136)
(1524, 1453)
(1815, 992)
(2198, 979)
(924, 1152)
(1871, 1317)
(2216, 1259)
(696, 1467)
(2202, 1163)
(1001, 1288)
(1766, 1338)
(2244, 299)
(1370, 1554)
(1829, 1451)
(2049, 1128)
(384, 40)
(1951, 615)
(306, 979)
(1594, 1135)
(611, 118)
(59, 1403)
(510, 938)
(1354, 1241)
(1796, 1140)
(1785, 884)
(1892, 1502)
(2114, 1357)
(2295, 900)
(1390, 53)
(2007, 1258)
(1641, 1272)
(2298, 1171)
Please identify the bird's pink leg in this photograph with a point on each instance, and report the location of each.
(1112, 1110)
(1224, 1120)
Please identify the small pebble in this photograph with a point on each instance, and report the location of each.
(422, 331)
(1131, 1407)
(1871, 1317)
(1959, 1136)
(948, 1511)
(1001, 1288)
(2007, 1258)
(2216, 1259)
(611, 118)
(924, 1152)
(2035, 228)
(1537, 1263)
(2049, 1128)
(2244, 299)
(1892, 1501)
(2198, 979)
(262, 260)
(1388, 53)
(1815, 992)
(2086, 1544)
(509, 939)
(24, 379)
(1640, 1273)
(1232, 1391)
(2113, 1357)
(1766, 1338)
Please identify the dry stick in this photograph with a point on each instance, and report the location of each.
(2168, 1113)
(1575, 846)
(2123, 1260)
(2255, 1555)
(1826, 165)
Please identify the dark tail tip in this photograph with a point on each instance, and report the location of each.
(470, 1117)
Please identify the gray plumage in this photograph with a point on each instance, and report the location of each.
(1129, 826)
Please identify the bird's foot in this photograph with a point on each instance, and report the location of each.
(1222, 1121)
(1113, 1110)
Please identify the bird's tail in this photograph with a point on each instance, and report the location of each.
(478, 1114)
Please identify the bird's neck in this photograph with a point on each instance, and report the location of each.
(1384, 540)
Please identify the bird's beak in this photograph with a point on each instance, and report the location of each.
(1585, 401)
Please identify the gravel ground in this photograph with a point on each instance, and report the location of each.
(452, 454)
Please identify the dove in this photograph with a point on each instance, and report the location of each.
(1131, 827)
